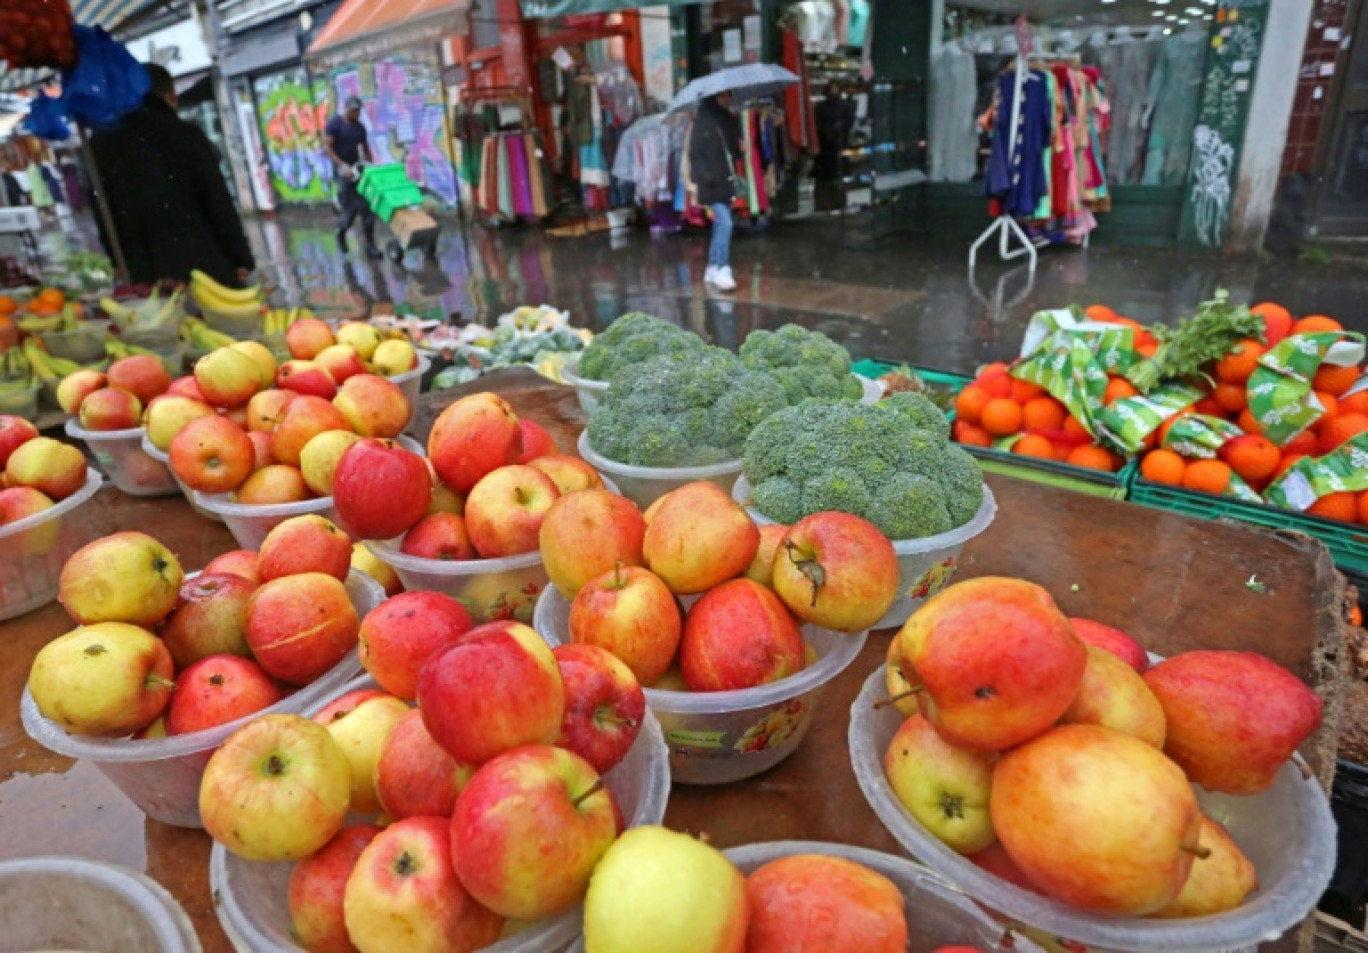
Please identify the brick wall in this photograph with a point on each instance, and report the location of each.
(1325, 55)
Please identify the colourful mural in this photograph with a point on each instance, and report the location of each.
(292, 119)
(402, 109)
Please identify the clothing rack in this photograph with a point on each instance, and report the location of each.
(1005, 227)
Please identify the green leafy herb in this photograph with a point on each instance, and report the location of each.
(1207, 336)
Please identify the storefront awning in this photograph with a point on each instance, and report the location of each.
(364, 29)
(106, 13)
(562, 8)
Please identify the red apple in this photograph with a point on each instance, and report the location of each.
(570, 473)
(127, 577)
(306, 337)
(361, 734)
(237, 562)
(1112, 640)
(762, 566)
(341, 362)
(398, 637)
(306, 377)
(265, 409)
(813, 903)
(472, 438)
(739, 635)
(532, 861)
(110, 409)
(212, 455)
(20, 501)
(698, 538)
(439, 536)
(14, 433)
(374, 407)
(186, 387)
(495, 689)
(380, 489)
(73, 389)
(142, 375)
(414, 776)
(536, 441)
(55, 468)
(227, 378)
(216, 690)
(404, 886)
(604, 705)
(307, 543)
(168, 414)
(301, 626)
(304, 418)
(837, 571)
(505, 510)
(264, 456)
(317, 886)
(633, 615)
(210, 618)
(587, 533)
(272, 484)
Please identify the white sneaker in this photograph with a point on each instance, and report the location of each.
(723, 279)
(710, 275)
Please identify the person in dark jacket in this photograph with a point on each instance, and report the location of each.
(346, 143)
(714, 146)
(170, 205)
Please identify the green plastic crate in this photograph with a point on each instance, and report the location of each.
(391, 201)
(941, 380)
(375, 179)
(1348, 544)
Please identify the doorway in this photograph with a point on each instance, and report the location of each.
(1343, 207)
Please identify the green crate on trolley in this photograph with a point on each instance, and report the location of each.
(375, 179)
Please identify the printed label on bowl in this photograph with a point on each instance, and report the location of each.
(779, 725)
(934, 579)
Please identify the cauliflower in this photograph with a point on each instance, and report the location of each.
(631, 339)
(808, 364)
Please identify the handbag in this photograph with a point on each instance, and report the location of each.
(738, 184)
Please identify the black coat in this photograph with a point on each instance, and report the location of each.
(168, 199)
(716, 131)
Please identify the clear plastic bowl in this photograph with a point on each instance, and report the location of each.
(71, 903)
(925, 566)
(162, 775)
(1288, 832)
(644, 485)
(120, 455)
(505, 588)
(233, 325)
(937, 914)
(871, 391)
(411, 383)
(589, 392)
(22, 402)
(84, 345)
(717, 737)
(34, 549)
(250, 522)
(252, 904)
(161, 457)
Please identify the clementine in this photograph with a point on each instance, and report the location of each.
(1341, 429)
(1230, 397)
(1286, 463)
(1118, 388)
(1093, 458)
(1277, 321)
(1253, 457)
(972, 435)
(1248, 422)
(969, 403)
(1023, 391)
(1335, 380)
(1001, 416)
(1236, 366)
(1032, 445)
(1163, 466)
(1303, 443)
(1208, 476)
(1043, 413)
(1314, 323)
(1336, 506)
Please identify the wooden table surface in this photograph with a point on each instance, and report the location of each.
(1173, 583)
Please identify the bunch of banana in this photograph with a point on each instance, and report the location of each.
(154, 314)
(117, 350)
(16, 373)
(44, 366)
(64, 320)
(229, 302)
(201, 337)
(278, 320)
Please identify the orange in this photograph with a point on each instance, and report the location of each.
(1355, 613)
(1147, 347)
(1236, 366)
(1253, 457)
(1163, 466)
(1277, 321)
(1341, 429)
(1335, 380)
(1073, 427)
(1230, 397)
(1363, 518)
(1043, 413)
(969, 403)
(1023, 391)
(51, 298)
(974, 436)
(1034, 446)
(1100, 312)
(1331, 410)
(1118, 388)
(1355, 403)
(1001, 416)
(1303, 443)
(7, 305)
(1062, 450)
(1209, 476)
(1316, 322)
(1336, 506)
(1093, 458)
(996, 385)
(1248, 422)
(42, 308)
(996, 369)
(1286, 463)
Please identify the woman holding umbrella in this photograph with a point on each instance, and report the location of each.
(713, 147)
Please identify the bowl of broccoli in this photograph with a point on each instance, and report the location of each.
(891, 463)
(807, 364)
(719, 737)
(628, 341)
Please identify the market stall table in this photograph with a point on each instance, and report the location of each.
(1172, 582)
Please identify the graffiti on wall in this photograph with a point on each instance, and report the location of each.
(292, 120)
(401, 105)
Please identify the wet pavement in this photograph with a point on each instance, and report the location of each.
(905, 298)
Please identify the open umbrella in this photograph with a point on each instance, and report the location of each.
(752, 81)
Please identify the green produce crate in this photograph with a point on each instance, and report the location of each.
(1348, 543)
(377, 178)
(391, 201)
(940, 380)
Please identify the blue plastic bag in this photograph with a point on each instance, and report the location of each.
(47, 118)
(106, 81)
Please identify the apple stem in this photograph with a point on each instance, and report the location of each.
(155, 679)
(885, 702)
(617, 574)
(808, 566)
(594, 788)
(1198, 851)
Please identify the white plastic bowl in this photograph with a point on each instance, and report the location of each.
(644, 485)
(504, 588)
(120, 455)
(162, 775)
(251, 522)
(717, 737)
(34, 549)
(1288, 832)
(411, 383)
(70, 903)
(162, 457)
(590, 392)
(251, 897)
(925, 566)
(871, 391)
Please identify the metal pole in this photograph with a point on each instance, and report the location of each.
(102, 205)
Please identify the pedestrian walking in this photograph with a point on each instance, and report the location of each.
(713, 146)
(345, 141)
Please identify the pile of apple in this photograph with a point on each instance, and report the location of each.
(1050, 752)
(37, 472)
(113, 399)
(493, 783)
(623, 571)
(158, 655)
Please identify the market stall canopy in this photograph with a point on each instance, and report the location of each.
(110, 14)
(563, 8)
(752, 81)
(364, 29)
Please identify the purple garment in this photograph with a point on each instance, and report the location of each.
(517, 166)
(1018, 178)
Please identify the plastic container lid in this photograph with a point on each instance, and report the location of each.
(70, 903)
(1288, 833)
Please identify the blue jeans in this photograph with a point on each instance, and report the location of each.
(719, 250)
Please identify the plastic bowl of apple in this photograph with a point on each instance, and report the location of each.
(119, 453)
(1287, 832)
(251, 522)
(162, 457)
(162, 775)
(252, 897)
(34, 549)
(717, 737)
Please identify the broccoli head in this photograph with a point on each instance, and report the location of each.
(808, 364)
(874, 461)
(921, 410)
(631, 339)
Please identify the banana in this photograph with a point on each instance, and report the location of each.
(122, 314)
(39, 361)
(35, 325)
(199, 335)
(205, 288)
(63, 366)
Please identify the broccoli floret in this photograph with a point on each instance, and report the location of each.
(743, 406)
(808, 364)
(632, 339)
(920, 409)
(779, 499)
(964, 485)
(910, 506)
(840, 489)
